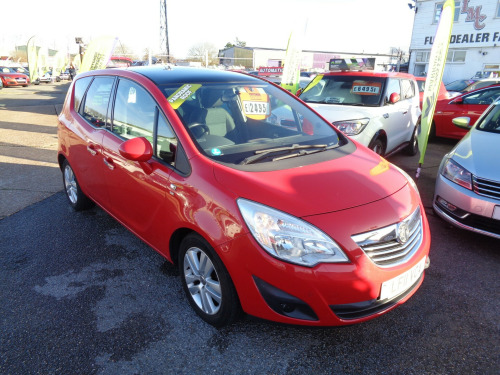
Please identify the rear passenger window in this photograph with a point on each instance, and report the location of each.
(407, 89)
(96, 102)
(134, 111)
(80, 88)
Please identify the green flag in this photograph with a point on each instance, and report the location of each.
(437, 60)
(98, 53)
(32, 59)
(291, 70)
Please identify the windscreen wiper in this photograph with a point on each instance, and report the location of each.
(262, 154)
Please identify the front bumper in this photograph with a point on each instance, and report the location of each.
(327, 294)
(466, 209)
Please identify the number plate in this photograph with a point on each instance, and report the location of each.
(496, 212)
(401, 283)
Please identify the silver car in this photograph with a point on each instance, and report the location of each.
(467, 192)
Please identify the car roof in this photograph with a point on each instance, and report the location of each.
(371, 73)
(163, 75)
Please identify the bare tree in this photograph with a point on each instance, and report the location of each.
(199, 51)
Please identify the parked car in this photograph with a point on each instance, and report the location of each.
(471, 104)
(295, 224)
(13, 79)
(46, 78)
(460, 85)
(378, 109)
(474, 84)
(467, 192)
(63, 76)
(442, 95)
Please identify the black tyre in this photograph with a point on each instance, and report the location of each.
(412, 147)
(377, 146)
(76, 198)
(206, 282)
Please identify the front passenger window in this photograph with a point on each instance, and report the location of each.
(393, 86)
(134, 111)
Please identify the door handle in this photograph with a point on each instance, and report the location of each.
(90, 148)
(405, 112)
(172, 188)
(109, 163)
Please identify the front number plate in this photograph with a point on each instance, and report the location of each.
(397, 285)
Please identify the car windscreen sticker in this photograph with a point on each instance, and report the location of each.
(366, 88)
(181, 94)
(255, 103)
(132, 95)
(313, 83)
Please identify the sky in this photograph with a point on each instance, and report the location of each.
(370, 26)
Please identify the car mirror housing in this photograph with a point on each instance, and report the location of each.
(458, 101)
(462, 122)
(394, 98)
(136, 149)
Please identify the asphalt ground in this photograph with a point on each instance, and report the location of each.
(82, 295)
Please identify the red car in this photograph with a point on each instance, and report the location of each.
(294, 223)
(471, 104)
(442, 95)
(14, 79)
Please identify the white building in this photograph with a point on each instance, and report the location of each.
(474, 44)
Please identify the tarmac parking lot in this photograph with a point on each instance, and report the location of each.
(82, 295)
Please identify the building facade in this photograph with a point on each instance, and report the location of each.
(255, 57)
(474, 49)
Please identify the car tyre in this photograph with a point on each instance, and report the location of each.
(77, 199)
(412, 148)
(377, 146)
(206, 282)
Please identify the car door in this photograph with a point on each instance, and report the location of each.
(396, 116)
(87, 124)
(470, 105)
(137, 189)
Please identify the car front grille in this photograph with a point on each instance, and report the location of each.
(394, 244)
(486, 188)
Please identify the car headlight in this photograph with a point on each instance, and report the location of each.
(289, 238)
(8, 77)
(352, 127)
(456, 173)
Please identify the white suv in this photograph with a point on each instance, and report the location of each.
(380, 110)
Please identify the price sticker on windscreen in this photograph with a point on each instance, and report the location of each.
(181, 94)
(366, 88)
(255, 103)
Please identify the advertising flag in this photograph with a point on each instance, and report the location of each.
(98, 53)
(291, 70)
(437, 61)
(59, 64)
(32, 59)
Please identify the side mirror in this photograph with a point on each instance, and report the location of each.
(394, 98)
(136, 149)
(462, 122)
(299, 91)
(458, 101)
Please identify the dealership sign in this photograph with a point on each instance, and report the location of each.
(475, 16)
(270, 71)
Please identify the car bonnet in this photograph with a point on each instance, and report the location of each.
(353, 180)
(335, 112)
(478, 152)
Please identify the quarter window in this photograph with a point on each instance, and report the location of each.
(96, 102)
(80, 88)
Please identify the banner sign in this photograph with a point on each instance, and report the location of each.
(270, 71)
(98, 53)
(352, 64)
(437, 62)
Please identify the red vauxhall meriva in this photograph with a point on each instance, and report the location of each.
(287, 220)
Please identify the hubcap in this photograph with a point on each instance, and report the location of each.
(70, 184)
(202, 281)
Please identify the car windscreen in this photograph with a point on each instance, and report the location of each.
(246, 123)
(491, 122)
(345, 90)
